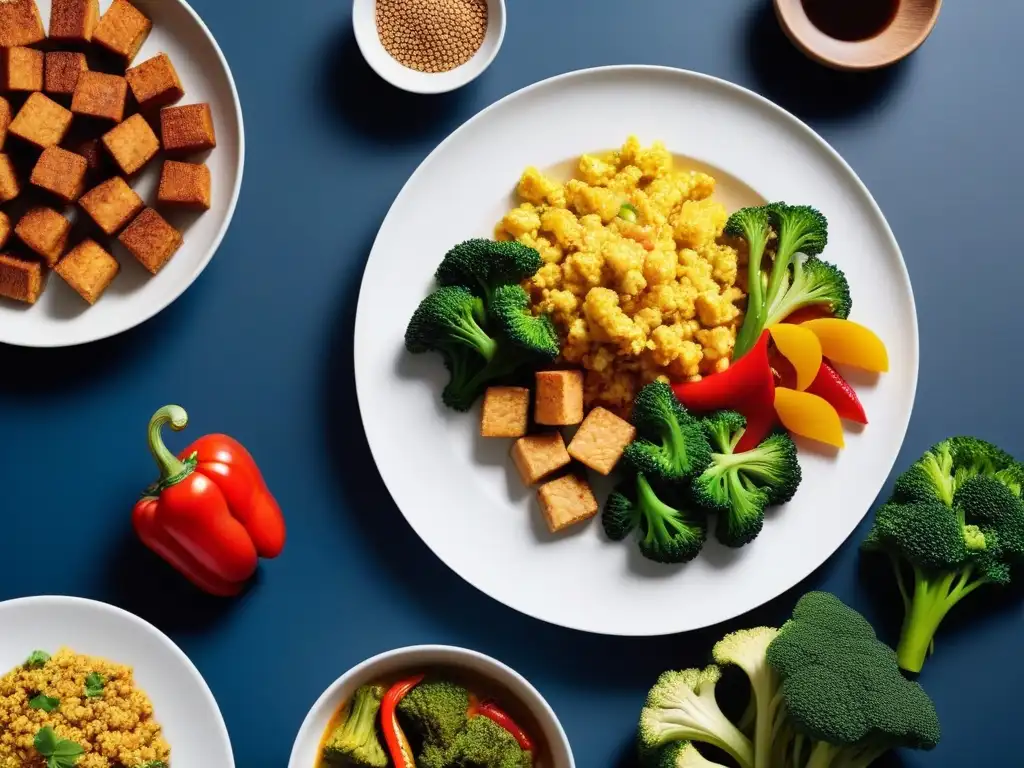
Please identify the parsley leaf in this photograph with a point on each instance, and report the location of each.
(94, 683)
(59, 753)
(36, 659)
(44, 702)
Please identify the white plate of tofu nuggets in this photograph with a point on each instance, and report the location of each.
(121, 155)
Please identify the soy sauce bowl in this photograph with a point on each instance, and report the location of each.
(364, 24)
(910, 26)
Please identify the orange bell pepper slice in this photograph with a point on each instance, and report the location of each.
(801, 347)
(849, 343)
(809, 416)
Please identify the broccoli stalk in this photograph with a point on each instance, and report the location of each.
(752, 225)
(746, 649)
(680, 754)
(955, 523)
(671, 446)
(355, 742)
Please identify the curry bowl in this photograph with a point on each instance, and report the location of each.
(480, 674)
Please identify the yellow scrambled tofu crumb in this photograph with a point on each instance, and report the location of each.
(639, 300)
(115, 729)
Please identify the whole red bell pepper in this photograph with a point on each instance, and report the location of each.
(210, 515)
(831, 387)
(747, 386)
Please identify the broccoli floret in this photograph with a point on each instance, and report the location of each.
(671, 446)
(665, 534)
(751, 224)
(621, 514)
(842, 691)
(678, 754)
(355, 742)
(738, 486)
(510, 310)
(956, 523)
(746, 649)
(434, 712)
(681, 707)
(813, 282)
(481, 744)
(484, 265)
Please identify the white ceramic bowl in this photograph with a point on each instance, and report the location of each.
(422, 657)
(364, 24)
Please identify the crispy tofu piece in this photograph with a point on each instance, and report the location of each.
(9, 187)
(60, 172)
(506, 410)
(74, 21)
(600, 440)
(5, 228)
(23, 69)
(100, 95)
(537, 456)
(155, 82)
(112, 205)
(122, 30)
(188, 128)
(151, 240)
(20, 23)
(5, 120)
(41, 121)
(63, 68)
(88, 269)
(132, 144)
(559, 398)
(44, 231)
(566, 501)
(20, 279)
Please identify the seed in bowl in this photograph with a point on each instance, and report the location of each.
(431, 35)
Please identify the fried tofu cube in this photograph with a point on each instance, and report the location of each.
(88, 269)
(122, 29)
(506, 410)
(44, 231)
(151, 240)
(100, 95)
(20, 279)
(20, 23)
(187, 185)
(566, 501)
(132, 144)
(74, 21)
(63, 68)
(559, 398)
(60, 172)
(112, 205)
(41, 121)
(5, 228)
(9, 187)
(537, 456)
(600, 440)
(5, 120)
(23, 69)
(188, 128)
(155, 82)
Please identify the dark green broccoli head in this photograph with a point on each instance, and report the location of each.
(926, 534)
(997, 511)
(800, 228)
(481, 744)
(621, 514)
(667, 534)
(446, 320)
(812, 283)
(435, 711)
(484, 265)
(751, 224)
(672, 446)
(841, 685)
(355, 742)
(723, 430)
(944, 466)
(510, 310)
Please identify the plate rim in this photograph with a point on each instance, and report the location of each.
(737, 91)
(159, 307)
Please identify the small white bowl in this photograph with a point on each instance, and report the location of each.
(424, 657)
(364, 23)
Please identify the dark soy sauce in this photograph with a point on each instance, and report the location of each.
(851, 19)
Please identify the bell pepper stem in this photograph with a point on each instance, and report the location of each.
(170, 465)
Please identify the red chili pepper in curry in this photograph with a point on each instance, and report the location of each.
(394, 736)
(492, 711)
(210, 515)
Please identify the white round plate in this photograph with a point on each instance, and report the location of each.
(460, 492)
(60, 317)
(182, 702)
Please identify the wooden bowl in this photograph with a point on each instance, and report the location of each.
(912, 24)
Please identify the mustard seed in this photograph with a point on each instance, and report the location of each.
(431, 35)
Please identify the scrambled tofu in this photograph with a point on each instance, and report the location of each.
(651, 294)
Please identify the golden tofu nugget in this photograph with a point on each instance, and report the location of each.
(505, 412)
(44, 231)
(122, 30)
(132, 144)
(566, 501)
(22, 69)
(73, 21)
(537, 456)
(41, 121)
(559, 398)
(600, 440)
(151, 240)
(20, 23)
(184, 185)
(20, 279)
(63, 68)
(112, 205)
(60, 172)
(187, 128)
(89, 269)
(155, 82)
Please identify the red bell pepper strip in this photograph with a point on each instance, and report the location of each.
(394, 736)
(747, 386)
(492, 711)
(210, 515)
(831, 387)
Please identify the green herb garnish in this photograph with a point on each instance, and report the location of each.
(44, 702)
(628, 212)
(94, 683)
(36, 659)
(59, 753)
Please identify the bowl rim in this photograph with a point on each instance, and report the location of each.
(403, 78)
(539, 707)
(787, 10)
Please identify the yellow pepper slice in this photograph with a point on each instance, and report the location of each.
(809, 416)
(849, 343)
(802, 348)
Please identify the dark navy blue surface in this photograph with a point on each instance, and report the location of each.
(261, 347)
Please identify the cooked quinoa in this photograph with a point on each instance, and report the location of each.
(658, 297)
(116, 729)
